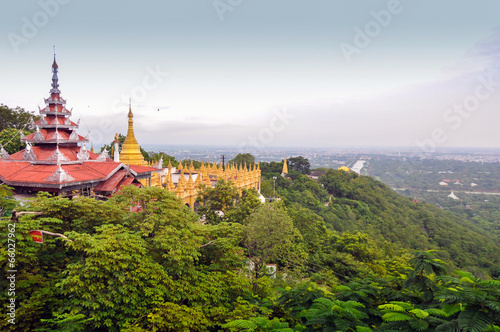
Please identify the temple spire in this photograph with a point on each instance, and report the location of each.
(285, 168)
(130, 131)
(131, 150)
(55, 79)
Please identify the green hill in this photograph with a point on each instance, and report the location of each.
(348, 202)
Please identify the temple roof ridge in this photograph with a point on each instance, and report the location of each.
(4, 155)
(59, 175)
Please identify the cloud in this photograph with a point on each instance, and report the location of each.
(483, 55)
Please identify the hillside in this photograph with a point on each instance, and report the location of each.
(257, 267)
(348, 202)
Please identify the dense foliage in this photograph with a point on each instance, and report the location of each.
(16, 118)
(342, 254)
(349, 202)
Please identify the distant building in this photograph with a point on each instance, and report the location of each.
(315, 175)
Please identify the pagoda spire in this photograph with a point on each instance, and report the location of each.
(131, 150)
(130, 132)
(285, 168)
(55, 78)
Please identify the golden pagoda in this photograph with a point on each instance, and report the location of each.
(131, 150)
(285, 168)
(344, 168)
(188, 178)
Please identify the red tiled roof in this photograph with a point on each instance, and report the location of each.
(9, 168)
(43, 152)
(48, 133)
(52, 120)
(126, 182)
(24, 173)
(110, 184)
(142, 169)
(57, 108)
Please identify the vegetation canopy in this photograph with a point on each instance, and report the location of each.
(344, 253)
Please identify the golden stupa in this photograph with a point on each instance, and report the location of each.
(131, 150)
(188, 178)
(285, 168)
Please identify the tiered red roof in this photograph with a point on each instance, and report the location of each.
(53, 159)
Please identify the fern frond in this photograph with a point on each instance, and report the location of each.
(405, 305)
(391, 306)
(451, 309)
(436, 312)
(467, 280)
(419, 313)
(473, 320)
(419, 325)
(474, 294)
(489, 283)
(494, 305)
(465, 274)
(396, 317)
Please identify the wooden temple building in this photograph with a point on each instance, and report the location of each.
(56, 159)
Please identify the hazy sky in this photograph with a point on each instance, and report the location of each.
(263, 73)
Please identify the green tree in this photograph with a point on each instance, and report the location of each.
(473, 304)
(16, 118)
(271, 167)
(270, 237)
(156, 268)
(299, 164)
(223, 202)
(220, 198)
(297, 298)
(337, 183)
(425, 267)
(7, 202)
(336, 315)
(110, 283)
(10, 139)
(154, 157)
(261, 324)
(242, 158)
(402, 316)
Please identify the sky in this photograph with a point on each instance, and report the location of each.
(256, 74)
